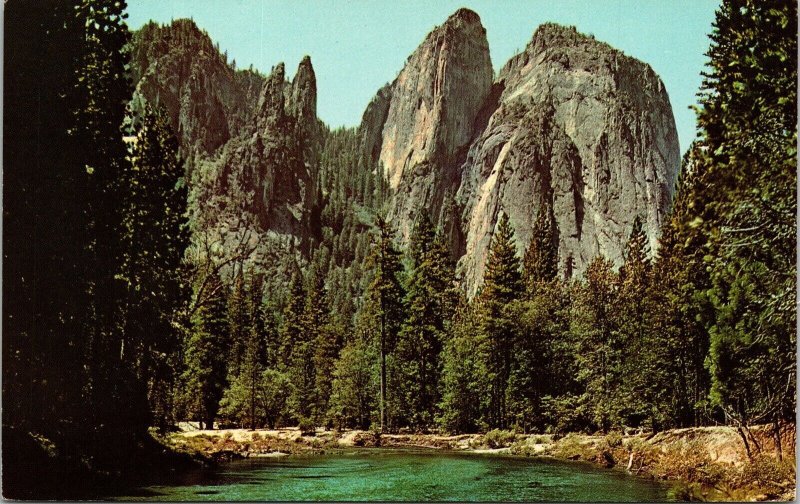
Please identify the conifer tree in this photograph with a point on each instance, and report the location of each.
(748, 125)
(239, 324)
(465, 379)
(204, 376)
(428, 305)
(292, 328)
(502, 285)
(355, 386)
(386, 295)
(641, 360)
(540, 263)
(301, 370)
(153, 239)
(599, 353)
(678, 322)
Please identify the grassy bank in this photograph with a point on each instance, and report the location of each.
(706, 463)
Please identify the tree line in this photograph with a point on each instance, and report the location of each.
(701, 332)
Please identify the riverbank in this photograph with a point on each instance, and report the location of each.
(706, 463)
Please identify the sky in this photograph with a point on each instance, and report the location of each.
(356, 46)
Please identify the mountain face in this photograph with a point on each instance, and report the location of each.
(569, 124)
(251, 142)
(580, 128)
(430, 110)
(177, 67)
(272, 164)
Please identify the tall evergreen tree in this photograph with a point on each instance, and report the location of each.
(205, 371)
(103, 90)
(540, 263)
(243, 400)
(748, 124)
(640, 360)
(678, 324)
(302, 374)
(386, 295)
(599, 352)
(465, 379)
(355, 386)
(292, 327)
(239, 324)
(153, 239)
(502, 284)
(428, 308)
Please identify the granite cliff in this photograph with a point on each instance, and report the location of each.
(569, 123)
(251, 141)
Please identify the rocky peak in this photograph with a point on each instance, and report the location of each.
(304, 90)
(271, 101)
(436, 96)
(177, 66)
(430, 114)
(372, 121)
(463, 15)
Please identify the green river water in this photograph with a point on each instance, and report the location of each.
(400, 475)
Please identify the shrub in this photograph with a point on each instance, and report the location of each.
(767, 473)
(523, 448)
(570, 447)
(688, 461)
(499, 438)
(614, 439)
(307, 427)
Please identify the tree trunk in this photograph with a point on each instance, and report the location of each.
(383, 363)
(776, 432)
(252, 405)
(744, 440)
(383, 385)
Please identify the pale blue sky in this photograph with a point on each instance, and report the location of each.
(356, 46)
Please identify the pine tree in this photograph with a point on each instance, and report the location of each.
(678, 323)
(747, 120)
(204, 376)
(386, 296)
(301, 370)
(428, 307)
(292, 328)
(153, 239)
(465, 378)
(641, 360)
(501, 286)
(239, 324)
(355, 386)
(103, 90)
(599, 352)
(540, 263)
(539, 366)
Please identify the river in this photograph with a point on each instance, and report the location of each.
(404, 475)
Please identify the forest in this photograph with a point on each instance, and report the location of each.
(121, 314)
